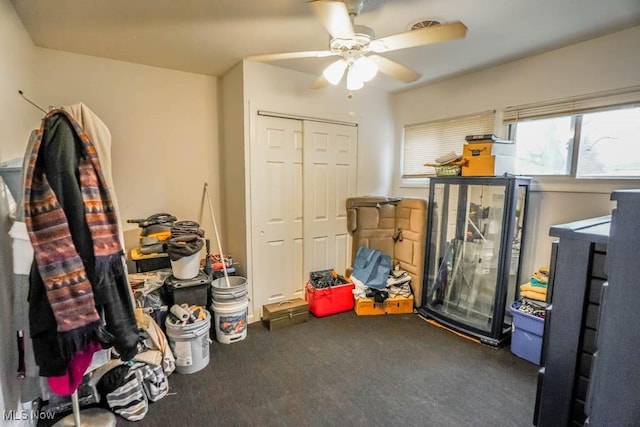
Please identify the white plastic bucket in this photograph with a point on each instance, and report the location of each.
(186, 267)
(190, 344)
(230, 320)
(235, 292)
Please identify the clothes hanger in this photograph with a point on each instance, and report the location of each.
(31, 102)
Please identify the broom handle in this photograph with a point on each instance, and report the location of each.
(215, 228)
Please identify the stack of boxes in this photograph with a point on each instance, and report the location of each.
(486, 155)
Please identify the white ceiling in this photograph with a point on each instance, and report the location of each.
(210, 36)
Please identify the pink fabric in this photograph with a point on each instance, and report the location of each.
(65, 385)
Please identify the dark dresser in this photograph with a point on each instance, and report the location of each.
(577, 276)
(589, 372)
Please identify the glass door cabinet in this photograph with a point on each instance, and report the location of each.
(475, 233)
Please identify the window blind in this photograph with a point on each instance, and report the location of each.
(425, 142)
(573, 105)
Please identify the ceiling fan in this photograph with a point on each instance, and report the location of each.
(358, 48)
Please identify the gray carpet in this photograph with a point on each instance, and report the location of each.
(349, 370)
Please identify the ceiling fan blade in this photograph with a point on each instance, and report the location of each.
(290, 55)
(320, 82)
(334, 17)
(395, 70)
(420, 37)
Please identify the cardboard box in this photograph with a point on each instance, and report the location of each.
(368, 307)
(286, 313)
(476, 149)
(331, 300)
(393, 305)
(399, 305)
(488, 165)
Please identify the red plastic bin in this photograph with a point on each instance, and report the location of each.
(326, 301)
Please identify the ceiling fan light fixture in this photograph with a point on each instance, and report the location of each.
(334, 72)
(365, 68)
(353, 80)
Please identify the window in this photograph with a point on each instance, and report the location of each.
(425, 142)
(586, 137)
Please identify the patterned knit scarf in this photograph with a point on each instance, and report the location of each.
(68, 289)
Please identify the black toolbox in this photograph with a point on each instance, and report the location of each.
(196, 291)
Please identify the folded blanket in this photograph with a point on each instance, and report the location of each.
(534, 295)
(538, 283)
(536, 289)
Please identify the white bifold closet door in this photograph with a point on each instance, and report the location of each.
(302, 172)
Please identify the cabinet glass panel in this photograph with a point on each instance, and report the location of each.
(516, 245)
(465, 284)
(474, 236)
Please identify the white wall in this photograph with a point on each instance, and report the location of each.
(235, 217)
(16, 73)
(608, 62)
(164, 128)
(276, 89)
(17, 66)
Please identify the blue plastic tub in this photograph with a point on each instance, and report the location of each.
(526, 334)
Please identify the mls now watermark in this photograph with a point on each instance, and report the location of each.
(27, 415)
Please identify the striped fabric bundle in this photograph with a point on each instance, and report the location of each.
(68, 289)
(129, 400)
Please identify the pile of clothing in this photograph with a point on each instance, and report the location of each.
(398, 284)
(187, 238)
(536, 288)
(128, 388)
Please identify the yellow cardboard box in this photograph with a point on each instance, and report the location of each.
(393, 305)
(475, 149)
(488, 165)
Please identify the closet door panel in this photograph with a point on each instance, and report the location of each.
(332, 160)
(302, 172)
(277, 214)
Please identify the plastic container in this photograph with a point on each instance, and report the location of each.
(190, 291)
(236, 291)
(526, 334)
(190, 344)
(326, 301)
(230, 320)
(186, 267)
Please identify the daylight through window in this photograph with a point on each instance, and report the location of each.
(587, 137)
